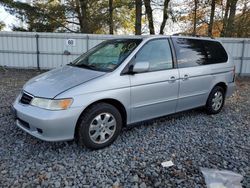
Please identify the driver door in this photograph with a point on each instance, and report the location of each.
(154, 93)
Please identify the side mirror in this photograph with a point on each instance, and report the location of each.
(139, 67)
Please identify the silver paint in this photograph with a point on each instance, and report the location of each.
(144, 95)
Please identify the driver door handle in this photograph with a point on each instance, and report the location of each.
(172, 79)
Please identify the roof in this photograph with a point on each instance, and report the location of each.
(144, 37)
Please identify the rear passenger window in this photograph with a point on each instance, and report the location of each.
(195, 52)
(189, 52)
(215, 52)
(157, 53)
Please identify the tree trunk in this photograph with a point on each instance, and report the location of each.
(211, 22)
(165, 16)
(195, 16)
(230, 22)
(78, 11)
(223, 31)
(111, 22)
(138, 14)
(150, 16)
(83, 20)
(242, 28)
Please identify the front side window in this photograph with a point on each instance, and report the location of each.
(157, 53)
(107, 55)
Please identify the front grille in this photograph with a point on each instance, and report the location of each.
(25, 98)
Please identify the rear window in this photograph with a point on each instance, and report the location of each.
(215, 52)
(196, 52)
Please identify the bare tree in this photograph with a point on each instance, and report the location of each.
(165, 16)
(225, 18)
(149, 16)
(138, 15)
(111, 22)
(82, 6)
(195, 16)
(230, 21)
(211, 22)
(242, 20)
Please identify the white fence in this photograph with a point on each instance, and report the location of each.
(50, 50)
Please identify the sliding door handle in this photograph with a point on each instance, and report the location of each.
(185, 77)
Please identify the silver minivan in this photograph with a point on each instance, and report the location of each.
(121, 82)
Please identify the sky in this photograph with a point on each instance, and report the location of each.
(7, 19)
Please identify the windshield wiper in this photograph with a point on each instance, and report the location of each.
(82, 65)
(71, 64)
(92, 67)
(86, 66)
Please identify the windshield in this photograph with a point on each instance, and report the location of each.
(107, 55)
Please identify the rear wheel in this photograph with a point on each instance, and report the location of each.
(99, 126)
(215, 100)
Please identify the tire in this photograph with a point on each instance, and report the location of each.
(98, 126)
(215, 101)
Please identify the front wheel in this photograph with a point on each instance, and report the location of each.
(215, 100)
(99, 126)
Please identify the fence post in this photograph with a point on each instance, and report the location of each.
(242, 56)
(37, 52)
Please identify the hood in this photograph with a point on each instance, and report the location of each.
(53, 82)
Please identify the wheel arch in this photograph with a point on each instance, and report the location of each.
(114, 102)
(223, 85)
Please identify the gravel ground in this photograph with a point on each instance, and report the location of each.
(190, 139)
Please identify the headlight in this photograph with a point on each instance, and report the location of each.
(52, 104)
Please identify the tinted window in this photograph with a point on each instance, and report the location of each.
(195, 52)
(157, 53)
(215, 52)
(189, 52)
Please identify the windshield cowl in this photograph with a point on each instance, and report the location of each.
(91, 67)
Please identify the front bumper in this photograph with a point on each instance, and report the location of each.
(45, 124)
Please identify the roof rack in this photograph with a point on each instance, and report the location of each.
(191, 35)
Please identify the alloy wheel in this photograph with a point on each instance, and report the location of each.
(102, 128)
(217, 100)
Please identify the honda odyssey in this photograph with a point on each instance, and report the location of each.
(121, 82)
